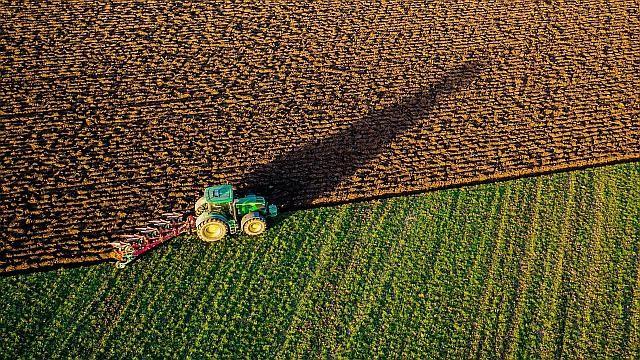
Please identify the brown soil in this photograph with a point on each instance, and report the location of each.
(112, 113)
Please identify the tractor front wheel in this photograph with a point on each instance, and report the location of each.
(254, 226)
(212, 230)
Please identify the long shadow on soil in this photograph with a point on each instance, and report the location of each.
(297, 178)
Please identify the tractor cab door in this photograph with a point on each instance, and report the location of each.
(220, 200)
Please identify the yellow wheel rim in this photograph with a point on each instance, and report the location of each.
(254, 227)
(213, 231)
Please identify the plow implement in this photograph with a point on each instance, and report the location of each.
(131, 246)
(217, 213)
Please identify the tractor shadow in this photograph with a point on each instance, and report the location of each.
(297, 178)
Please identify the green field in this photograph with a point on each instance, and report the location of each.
(538, 267)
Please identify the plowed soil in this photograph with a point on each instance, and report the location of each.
(111, 113)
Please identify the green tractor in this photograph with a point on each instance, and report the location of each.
(219, 213)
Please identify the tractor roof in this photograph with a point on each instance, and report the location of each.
(220, 194)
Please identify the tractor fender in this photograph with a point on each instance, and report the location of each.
(207, 216)
(201, 203)
(249, 216)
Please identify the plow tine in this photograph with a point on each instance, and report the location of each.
(172, 215)
(133, 236)
(147, 230)
(137, 238)
(159, 223)
(173, 218)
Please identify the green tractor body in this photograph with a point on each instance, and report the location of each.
(219, 212)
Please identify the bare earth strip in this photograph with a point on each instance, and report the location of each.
(110, 113)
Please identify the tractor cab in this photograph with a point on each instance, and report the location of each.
(221, 194)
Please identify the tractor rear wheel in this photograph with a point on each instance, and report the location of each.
(212, 230)
(254, 226)
(201, 206)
